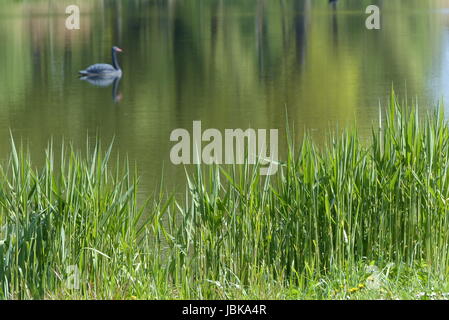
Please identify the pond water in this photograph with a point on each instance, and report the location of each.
(229, 63)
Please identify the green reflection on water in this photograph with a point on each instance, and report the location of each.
(230, 64)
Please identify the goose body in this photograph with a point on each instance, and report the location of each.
(104, 69)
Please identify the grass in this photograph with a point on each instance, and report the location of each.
(349, 220)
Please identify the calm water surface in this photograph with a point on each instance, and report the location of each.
(230, 64)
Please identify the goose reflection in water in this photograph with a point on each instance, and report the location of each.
(106, 81)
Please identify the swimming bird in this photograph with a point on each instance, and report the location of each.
(103, 69)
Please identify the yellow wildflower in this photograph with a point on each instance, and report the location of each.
(352, 290)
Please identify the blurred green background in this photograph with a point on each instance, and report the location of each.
(228, 63)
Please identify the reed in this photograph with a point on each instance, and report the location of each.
(319, 224)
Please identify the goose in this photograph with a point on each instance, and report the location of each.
(103, 69)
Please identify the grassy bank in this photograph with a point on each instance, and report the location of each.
(349, 220)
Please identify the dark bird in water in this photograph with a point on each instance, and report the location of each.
(103, 69)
